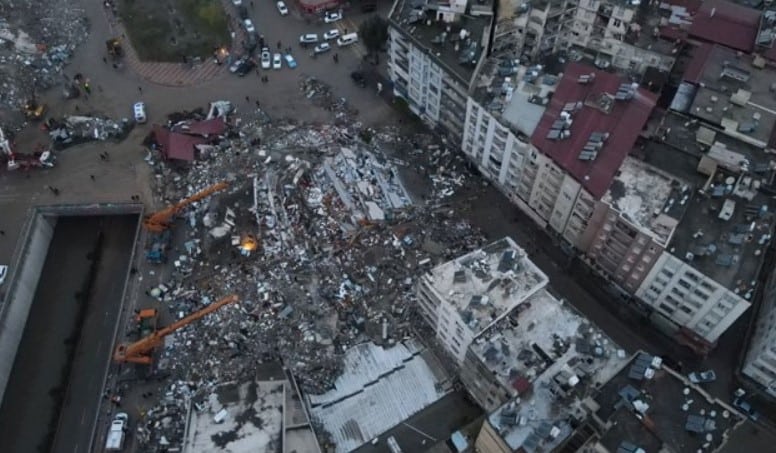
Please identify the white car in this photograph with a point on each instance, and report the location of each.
(266, 59)
(249, 26)
(322, 47)
(277, 61)
(282, 8)
(309, 38)
(3, 273)
(237, 2)
(331, 34)
(332, 16)
(140, 112)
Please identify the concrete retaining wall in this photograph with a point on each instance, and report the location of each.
(25, 269)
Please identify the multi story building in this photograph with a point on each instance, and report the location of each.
(462, 298)
(760, 363)
(542, 334)
(639, 406)
(435, 51)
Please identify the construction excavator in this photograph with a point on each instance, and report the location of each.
(161, 220)
(142, 351)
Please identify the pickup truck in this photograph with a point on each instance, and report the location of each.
(116, 434)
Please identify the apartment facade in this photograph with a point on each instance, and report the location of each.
(760, 363)
(696, 309)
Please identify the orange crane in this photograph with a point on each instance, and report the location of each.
(142, 350)
(160, 220)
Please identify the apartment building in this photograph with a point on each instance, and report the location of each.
(435, 51)
(760, 363)
(462, 298)
(504, 362)
(604, 31)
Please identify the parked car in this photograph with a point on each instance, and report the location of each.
(249, 26)
(242, 12)
(332, 16)
(237, 2)
(250, 43)
(321, 48)
(276, 61)
(702, 377)
(236, 65)
(309, 38)
(140, 112)
(3, 273)
(331, 34)
(266, 59)
(245, 67)
(744, 406)
(282, 9)
(290, 60)
(368, 7)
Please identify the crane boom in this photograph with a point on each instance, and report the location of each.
(160, 220)
(141, 351)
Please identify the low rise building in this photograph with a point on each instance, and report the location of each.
(434, 53)
(640, 406)
(462, 298)
(541, 335)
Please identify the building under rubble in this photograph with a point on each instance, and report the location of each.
(638, 406)
(462, 298)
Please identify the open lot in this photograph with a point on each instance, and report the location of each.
(172, 29)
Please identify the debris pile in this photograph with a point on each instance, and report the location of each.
(38, 40)
(319, 238)
(320, 95)
(72, 130)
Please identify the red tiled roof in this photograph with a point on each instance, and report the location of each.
(726, 23)
(672, 33)
(176, 146)
(700, 55)
(214, 126)
(623, 123)
(522, 385)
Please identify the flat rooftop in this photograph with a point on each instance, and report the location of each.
(510, 348)
(554, 358)
(487, 283)
(663, 410)
(238, 418)
(726, 230)
(378, 389)
(518, 95)
(648, 197)
(734, 94)
(444, 40)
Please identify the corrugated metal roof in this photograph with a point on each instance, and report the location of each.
(726, 23)
(623, 124)
(700, 55)
(176, 146)
(378, 390)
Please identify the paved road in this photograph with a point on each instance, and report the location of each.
(78, 415)
(29, 410)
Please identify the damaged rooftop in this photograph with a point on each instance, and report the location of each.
(516, 94)
(554, 358)
(649, 198)
(541, 332)
(420, 19)
(486, 284)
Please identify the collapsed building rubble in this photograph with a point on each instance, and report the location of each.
(318, 236)
(72, 130)
(38, 40)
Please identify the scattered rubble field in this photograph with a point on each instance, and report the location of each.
(169, 30)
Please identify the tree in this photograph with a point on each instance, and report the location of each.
(374, 33)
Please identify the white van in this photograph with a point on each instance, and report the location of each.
(346, 40)
(115, 440)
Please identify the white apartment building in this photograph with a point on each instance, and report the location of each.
(695, 308)
(760, 363)
(434, 55)
(460, 299)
